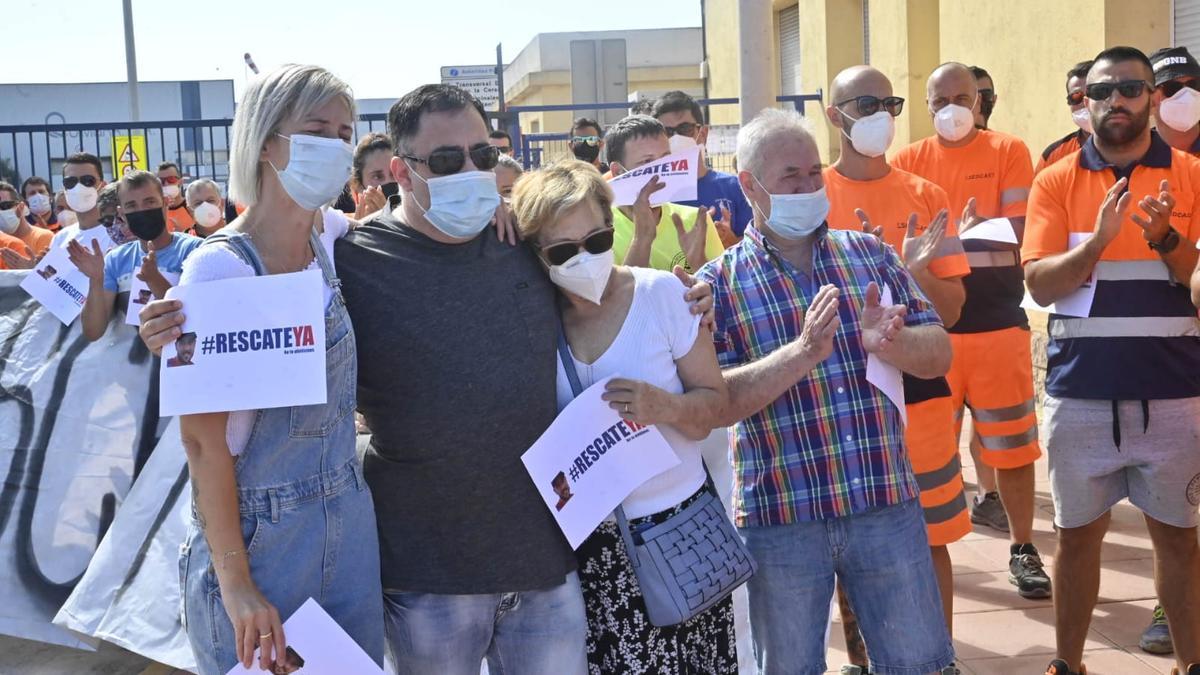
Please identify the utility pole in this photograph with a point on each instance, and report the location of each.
(131, 62)
(754, 44)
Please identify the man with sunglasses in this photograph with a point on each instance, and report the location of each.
(1072, 142)
(987, 97)
(83, 178)
(986, 174)
(502, 141)
(1122, 402)
(20, 243)
(178, 216)
(1176, 101)
(716, 191)
(587, 141)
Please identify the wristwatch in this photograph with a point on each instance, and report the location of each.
(1168, 243)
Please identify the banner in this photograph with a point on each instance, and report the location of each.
(677, 172)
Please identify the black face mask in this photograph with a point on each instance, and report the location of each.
(146, 225)
(585, 152)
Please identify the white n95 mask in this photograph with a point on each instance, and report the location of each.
(796, 216)
(1082, 119)
(462, 204)
(207, 214)
(872, 135)
(585, 275)
(954, 122)
(1181, 112)
(679, 143)
(317, 169)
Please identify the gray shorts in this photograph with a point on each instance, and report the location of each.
(1157, 466)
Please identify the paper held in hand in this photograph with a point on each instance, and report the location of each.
(316, 645)
(678, 172)
(247, 344)
(886, 377)
(995, 229)
(58, 285)
(1078, 302)
(590, 459)
(140, 295)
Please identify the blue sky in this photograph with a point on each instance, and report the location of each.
(382, 48)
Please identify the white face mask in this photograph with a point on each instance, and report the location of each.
(585, 275)
(39, 204)
(317, 169)
(1082, 119)
(954, 122)
(679, 143)
(1181, 112)
(207, 214)
(9, 221)
(171, 192)
(67, 218)
(461, 204)
(81, 198)
(872, 135)
(796, 216)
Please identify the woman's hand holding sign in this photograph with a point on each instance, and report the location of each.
(160, 322)
(639, 402)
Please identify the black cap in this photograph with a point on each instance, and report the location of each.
(1173, 63)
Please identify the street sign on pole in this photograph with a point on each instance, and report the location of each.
(480, 81)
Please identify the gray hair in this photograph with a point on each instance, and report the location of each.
(754, 139)
(287, 93)
(198, 184)
(108, 198)
(508, 162)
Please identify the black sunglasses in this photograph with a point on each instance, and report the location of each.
(686, 129)
(596, 242)
(450, 160)
(987, 94)
(8, 204)
(1101, 91)
(1075, 97)
(71, 181)
(869, 105)
(1172, 87)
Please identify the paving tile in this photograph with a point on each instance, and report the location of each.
(1099, 662)
(1011, 632)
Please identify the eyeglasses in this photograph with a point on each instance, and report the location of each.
(168, 180)
(686, 129)
(506, 149)
(586, 140)
(596, 242)
(1172, 87)
(450, 160)
(88, 181)
(1101, 91)
(987, 94)
(1075, 97)
(869, 105)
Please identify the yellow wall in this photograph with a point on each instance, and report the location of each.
(721, 39)
(904, 46)
(831, 39)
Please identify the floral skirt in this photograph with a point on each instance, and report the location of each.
(621, 639)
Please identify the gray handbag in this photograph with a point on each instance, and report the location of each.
(687, 563)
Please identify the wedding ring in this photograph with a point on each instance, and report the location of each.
(626, 408)
(267, 636)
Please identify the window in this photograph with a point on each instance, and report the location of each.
(1187, 25)
(789, 50)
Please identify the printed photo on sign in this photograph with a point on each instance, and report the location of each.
(590, 459)
(58, 285)
(251, 343)
(316, 645)
(677, 172)
(140, 294)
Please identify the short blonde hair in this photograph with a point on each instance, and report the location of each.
(541, 197)
(287, 93)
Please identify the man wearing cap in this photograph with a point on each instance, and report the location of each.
(1176, 100)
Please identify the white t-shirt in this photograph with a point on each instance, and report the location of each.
(211, 263)
(84, 237)
(659, 330)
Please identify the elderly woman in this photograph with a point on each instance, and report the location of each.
(631, 323)
(207, 206)
(371, 174)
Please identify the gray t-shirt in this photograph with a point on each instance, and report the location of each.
(456, 354)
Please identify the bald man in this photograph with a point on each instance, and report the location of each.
(987, 175)
(911, 215)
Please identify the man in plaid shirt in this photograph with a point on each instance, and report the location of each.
(823, 485)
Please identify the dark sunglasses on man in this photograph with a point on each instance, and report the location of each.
(71, 181)
(596, 242)
(593, 141)
(1172, 87)
(686, 129)
(987, 95)
(869, 105)
(445, 161)
(1101, 91)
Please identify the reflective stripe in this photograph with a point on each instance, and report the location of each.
(1132, 270)
(992, 258)
(944, 512)
(939, 477)
(1009, 442)
(949, 246)
(1012, 195)
(1123, 326)
(1009, 414)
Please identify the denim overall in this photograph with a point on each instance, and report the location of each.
(307, 517)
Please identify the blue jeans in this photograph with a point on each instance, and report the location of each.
(527, 633)
(882, 559)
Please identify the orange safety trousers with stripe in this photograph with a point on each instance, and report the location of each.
(933, 453)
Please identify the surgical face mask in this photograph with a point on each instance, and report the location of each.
(66, 218)
(1181, 112)
(679, 143)
(461, 204)
(954, 122)
(317, 169)
(207, 214)
(796, 216)
(872, 135)
(171, 192)
(146, 225)
(585, 152)
(9, 221)
(39, 204)
(1082, 119)
(81, 198)
(585, 275)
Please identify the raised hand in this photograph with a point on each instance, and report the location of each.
(821, 323)
(969, 217)
(1112, 212)
(91, 263)
(16, 261)
(879, 324)
(866, 224)
(645, 225)
(724, 225)
(920, 250)
(692, 242)
(1158, 211)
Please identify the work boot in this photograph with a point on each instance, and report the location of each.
(1026, 572)
(989, 510)
(1060, 667)
(1156, 639)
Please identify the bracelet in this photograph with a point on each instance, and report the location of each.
(229, 554)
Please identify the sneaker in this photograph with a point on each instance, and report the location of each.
(1060, 667)
(1026, 572)
(989, 511)
(852, 669)
(1157, 637)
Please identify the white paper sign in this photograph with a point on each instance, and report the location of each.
(886, 377)
(1076, 303)
(590, 459)
(317, 645)
(995, 229)
(677, 172)
(248, 343)
(140, 294)
(58, 285)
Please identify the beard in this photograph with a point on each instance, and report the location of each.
(1123, 135)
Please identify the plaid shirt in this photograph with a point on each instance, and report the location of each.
(833, 444)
